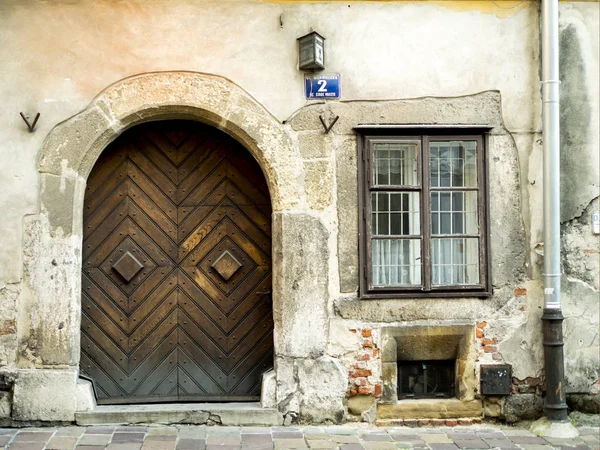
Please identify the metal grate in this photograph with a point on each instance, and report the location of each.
(426, 379)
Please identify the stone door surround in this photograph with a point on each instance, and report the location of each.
(54, 236)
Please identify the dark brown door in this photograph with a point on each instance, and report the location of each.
(176, 278)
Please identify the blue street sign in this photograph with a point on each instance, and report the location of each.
(324, 86)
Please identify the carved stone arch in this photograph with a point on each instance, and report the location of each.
(71, 150)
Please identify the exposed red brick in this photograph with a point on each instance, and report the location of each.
(8, 327)
(588, 251)
(361, 381)
(490, 348)
(364, 357)
(353, 392)
(465, 421)
(520, 292)
(364, 390)
(476, 420)
(522, 308)
(437, 422)
(397, 422)
(352, 331)
(481, 324)
(424, 422)
(376, 353)
(368, 342)
(489, 341)
(360, 373)
(366, 333)
(451, 422)
(479, 333)
(378, 390)
(382, 423)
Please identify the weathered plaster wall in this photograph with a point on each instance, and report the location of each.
(470, 62)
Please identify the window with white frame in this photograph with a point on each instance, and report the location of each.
(424, 227)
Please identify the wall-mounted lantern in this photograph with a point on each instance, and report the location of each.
(311, 49)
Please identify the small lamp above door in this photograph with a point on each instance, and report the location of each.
(311, 50)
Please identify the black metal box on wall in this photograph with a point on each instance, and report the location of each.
(496, 379)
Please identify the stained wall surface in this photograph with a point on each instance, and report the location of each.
(400, 62)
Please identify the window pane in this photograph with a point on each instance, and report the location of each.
(396, 262)
(395, 213)
(455, 261)
(453, 164)
(395, 164)
(454, 212)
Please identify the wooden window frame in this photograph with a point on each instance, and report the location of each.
(369, 135)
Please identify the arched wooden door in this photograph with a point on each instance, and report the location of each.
(176, 277)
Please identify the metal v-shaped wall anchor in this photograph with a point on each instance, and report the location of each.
(31, 126)
(330, 126)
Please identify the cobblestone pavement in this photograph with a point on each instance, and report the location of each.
(263, 438)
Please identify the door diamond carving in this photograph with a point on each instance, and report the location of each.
(226, 265)
(128, 266)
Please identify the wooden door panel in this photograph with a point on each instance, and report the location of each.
(176, 267)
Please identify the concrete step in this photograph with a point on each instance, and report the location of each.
(231, 414)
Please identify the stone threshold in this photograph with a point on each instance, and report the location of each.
(231, 414)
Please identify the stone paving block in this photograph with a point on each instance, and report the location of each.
(94, 439)
(257, 447)
(100, 430)
(528, 440)
(289, 443)
(517, 433)
(500, 443)
(576, 447)
(442, 446)
(313, 430)
(119, 437)
(378, 445)
(262, 438)
(124, 446)
(7, 431)
(344, 438)
(190, 444)
(162, 431)
(27, 446)
(589, 438)
(4, 439)
(192, 432)
(285, 429)
(90, 447)
(463, 436)
(132, 429)
(352, 447)
(439, 430)
(320, 443)
(436, 438)
(376, 437)
(33, 436)
(318, 436)
(287, 435)
(225, 439)
(471, 443)
(412, 438)
(70, 431)
(341, 430)
(161, 437)
(223, 447)
(62, 443)
(255, 430)
(491, 434)
(536, 447)
(158, 445)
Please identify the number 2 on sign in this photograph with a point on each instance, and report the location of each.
(322, 85)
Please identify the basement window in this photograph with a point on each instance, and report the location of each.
(424, 214)
(426, 379)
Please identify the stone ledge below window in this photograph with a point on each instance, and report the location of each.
(451, 408)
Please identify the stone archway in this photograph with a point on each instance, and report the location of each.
(53, 238)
